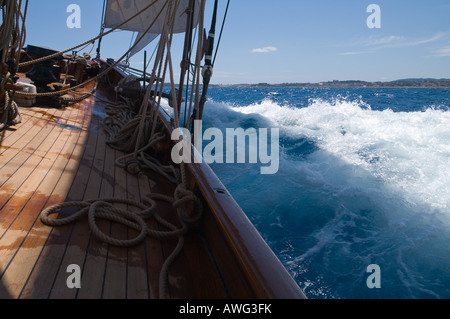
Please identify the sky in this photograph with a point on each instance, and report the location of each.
(287, 41)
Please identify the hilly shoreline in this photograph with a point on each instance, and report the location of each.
(425, 83)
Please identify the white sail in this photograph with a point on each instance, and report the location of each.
(118, 11)
(149, 37)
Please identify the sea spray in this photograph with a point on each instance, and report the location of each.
(363, 179)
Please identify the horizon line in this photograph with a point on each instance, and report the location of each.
(424, 80)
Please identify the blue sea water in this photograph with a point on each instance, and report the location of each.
(364, 178)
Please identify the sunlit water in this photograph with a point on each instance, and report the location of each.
(364, 178)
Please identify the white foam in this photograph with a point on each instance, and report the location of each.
(408, 151)
(373, 189)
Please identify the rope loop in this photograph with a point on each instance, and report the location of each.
(105, 210)
(45, 214)
(182, 197)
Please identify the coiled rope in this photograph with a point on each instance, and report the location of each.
(10, 114)
(104, 209)
(12, 37)
(127, 131)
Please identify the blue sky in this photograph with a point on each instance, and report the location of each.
(290, 40)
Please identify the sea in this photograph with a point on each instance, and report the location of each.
(363, 179)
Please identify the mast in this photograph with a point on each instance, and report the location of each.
(208, 68)
(102, 29)
(185, 63)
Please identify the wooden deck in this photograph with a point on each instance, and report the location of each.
(58, 155)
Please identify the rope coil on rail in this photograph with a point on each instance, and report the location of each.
(123, 127)
(10, 114)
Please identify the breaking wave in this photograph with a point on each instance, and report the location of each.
(356, 186)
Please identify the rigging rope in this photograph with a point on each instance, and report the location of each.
(12, 37)
(107, 70)
(127, 133)
(10, 114)
(221, 32)
(102, 29)
(137, 133)
(101, 35)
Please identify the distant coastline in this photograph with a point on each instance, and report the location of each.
(419, 83)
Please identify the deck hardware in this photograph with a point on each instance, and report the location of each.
(221, 191)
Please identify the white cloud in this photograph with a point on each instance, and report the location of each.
(443, 52)
(376, 44)
(265, 50)
(384, 41)
(355, 52)
(398, 41)
(428, 40)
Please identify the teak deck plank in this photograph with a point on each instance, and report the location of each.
(153, 251)
(115, 274)
(33, 235)
(58, 155)
(28, 176)
(41, 283)
(95, 259)
(60, 172)
(15, 184)
(23, 142)
(11, 135)
(20, 154)
(137, 287)
(78, 242)
(13, 138)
